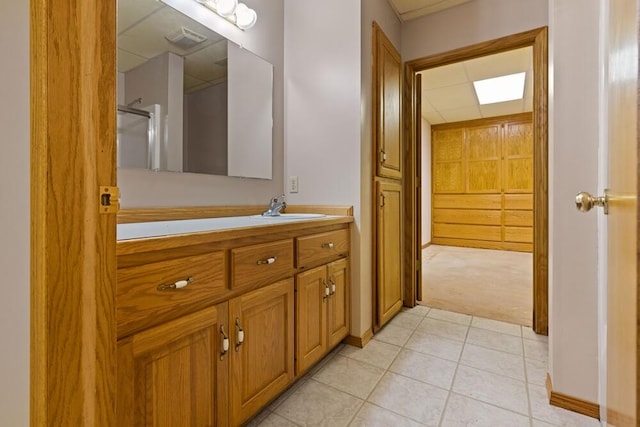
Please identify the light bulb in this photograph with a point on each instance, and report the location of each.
(226, 8)
(245, 17)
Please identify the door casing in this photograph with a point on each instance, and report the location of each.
(538, 39)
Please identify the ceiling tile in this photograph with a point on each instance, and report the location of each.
(411, 9)
(128, 61)
(204, 64)
(132, 11)
(447, 75)
(433, 117)
(451, 97)
(193, 84)
(511, 62)
(502, 108)
(461, 114)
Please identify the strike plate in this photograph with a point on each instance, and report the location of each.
(109, 200)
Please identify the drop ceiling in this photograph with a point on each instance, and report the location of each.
(448, 94)
(411, 9)
(142, 27)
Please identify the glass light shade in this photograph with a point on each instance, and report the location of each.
(245, 17)
(226, 8)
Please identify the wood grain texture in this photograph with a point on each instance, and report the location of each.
(338, 309)
(321, 248)
(359, 342)
(140, 304)
(311, 318)
(574, 404)
(467, 201)
(249, 268)
(263, 366)
(132, 215)
(483, 244)
(72, 245)
(537, 38)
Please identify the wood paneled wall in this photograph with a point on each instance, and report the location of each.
(482, 183)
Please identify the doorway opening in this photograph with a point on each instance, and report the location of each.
(511, 211)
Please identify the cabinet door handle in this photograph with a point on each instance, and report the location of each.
(224, 342)
(383, 156)
(176, 285)
(328, 245)
(326, 290)
(239, 334)
(333, 285)
(269, 260)
(382, 200)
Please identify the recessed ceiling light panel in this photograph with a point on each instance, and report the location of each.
(500, 89)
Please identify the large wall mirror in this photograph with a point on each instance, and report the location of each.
(190, 100)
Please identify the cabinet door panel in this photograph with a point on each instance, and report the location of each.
(167, 375)
(311, 321)
(262, 366)
(389, 250)
(338, 303)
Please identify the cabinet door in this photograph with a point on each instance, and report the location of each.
(338, 303)
(311, 317)
(167, 375)
(387, 78)
(262, 362)
(388, 250)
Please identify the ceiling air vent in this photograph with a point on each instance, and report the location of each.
(185, 38)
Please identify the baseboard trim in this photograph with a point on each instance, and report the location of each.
(571, 403)
(359, 341)
(426, 245)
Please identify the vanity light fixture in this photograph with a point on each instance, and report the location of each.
(236, 13)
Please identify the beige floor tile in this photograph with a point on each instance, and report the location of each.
(316, 404)
(541, 410)
(536, 350)
(418, 310)
(375, 416)
(444, 329)
(375, 353)
(536, 371)
(450, 316)
(411, 398)
(393, 335)
(406, 320)
(465, 412)
(494, 361)
(349, 375)
(528, 334)
(275, 420)
(538, 423)
(258, 419)
(497, 326)
(504, 392)
(435, 346)
(495, 340)
(425, 368)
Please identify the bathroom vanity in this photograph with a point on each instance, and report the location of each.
(215, 318)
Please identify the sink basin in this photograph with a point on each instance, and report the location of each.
(292, 216)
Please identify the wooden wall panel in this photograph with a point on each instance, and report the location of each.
(482, 175)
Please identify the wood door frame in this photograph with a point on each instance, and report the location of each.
(73, 262)
(537, 38)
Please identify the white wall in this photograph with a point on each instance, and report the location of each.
(380, 12)
(470, 23)
(140, 188)
(14, 215)
(426, 181)
(573, 139)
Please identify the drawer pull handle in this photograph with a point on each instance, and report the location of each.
(239, 334)
(327, 245)
(224, 344)
(177, 285)
(269, 260)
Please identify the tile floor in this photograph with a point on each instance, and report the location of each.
(428, 367)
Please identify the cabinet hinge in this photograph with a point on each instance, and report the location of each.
(109, 200)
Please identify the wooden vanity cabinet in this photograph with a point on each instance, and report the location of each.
(322, 296)
(171, 374)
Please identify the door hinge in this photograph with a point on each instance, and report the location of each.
(109, 200)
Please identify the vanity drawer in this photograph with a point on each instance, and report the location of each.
(321, 248)
(258, 265)
(145, 296)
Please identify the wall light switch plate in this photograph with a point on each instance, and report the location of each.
(293, 184)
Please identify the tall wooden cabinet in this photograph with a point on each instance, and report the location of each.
(482, 183)
(387, 179)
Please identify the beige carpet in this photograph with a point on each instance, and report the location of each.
(481, 282)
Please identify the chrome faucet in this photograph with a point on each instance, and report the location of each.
(276, 204)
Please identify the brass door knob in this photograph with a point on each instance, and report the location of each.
(585, 201)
